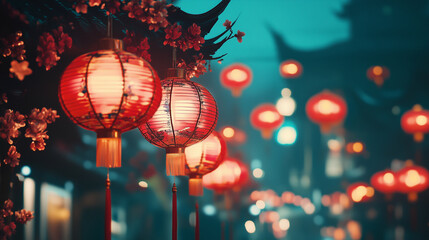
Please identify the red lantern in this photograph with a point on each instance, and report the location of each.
(355, 147)
(244, 178)
(360, 192)
(233, 135)
(378, 74)
(109, 91)
(412, 180)
(290, 69)
(266, 118)
(224, 177)
(326, 109)
(202, 158)
(187, 115)
(384, 181)
(236, 77)
(416, 122)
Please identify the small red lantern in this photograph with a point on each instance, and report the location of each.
(290, 69)
(355, 147)
(236, 77)
(412, 180)
(416, 122)
(233, 135)
(378, 74)
(187, 115)
(326, 109)
(244, 178)
(109, 91)
(225, 177)
(266, 118)
(384, 181)
(360, 192)
(202, 158)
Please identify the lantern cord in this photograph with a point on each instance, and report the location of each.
(174, 227)
(108, 211)
(174, 57)
(109, 26)
(197, 221)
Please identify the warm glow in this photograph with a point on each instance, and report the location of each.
(286, 106)
(284, 224)
(339, 234)
(143, 184)
(358, 193)
(412, 178)
(326, 107)
(421, 120)
(388, 178)
(258, 173)
(377, 70)
(334, 145)
(354, 230)
(268, 117)
(250, 226)
(369, 192)
(357, 147)
(290, 68)
(228, 132)
(260, 204)
(286, 135)
(286, 92)
(237, 75)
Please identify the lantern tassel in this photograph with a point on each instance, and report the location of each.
(197, 222)
(174, 203)
(196, 187)
(109, 149)
(175, 164)
(108, 212)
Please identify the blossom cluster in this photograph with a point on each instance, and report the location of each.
(190, 39)
(111, 6)
(138, 46)
(37, 123)
(8, 219)
(51, 46)
(152, 12)
(13, 46)
(195, 68)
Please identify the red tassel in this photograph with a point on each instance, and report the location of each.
(174, 227)
(197, 222)
(108, 212)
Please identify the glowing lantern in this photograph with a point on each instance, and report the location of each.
(290, 69)
(236, 77)
(225, 177)
(412, 180)
(244, 176)
(233, 135)
(360, 192)
(326, 109)
(202, 158)
(109, 91)
(187, 115)
(378, 74)
(355, 147)
(416, 122)
(266, 118)
(384, 181)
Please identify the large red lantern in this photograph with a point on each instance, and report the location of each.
(290, 69)
(266, 118)
(225, 177)
(109, 91)
(236, 77)
(384, 181)
(416, 122)
(187, 115)
(326, 109)
(378, 74)
(360, 192)
(201, 159)
(412, 180)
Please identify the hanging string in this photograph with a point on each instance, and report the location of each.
(108, 211)
(197, 221)
(174, 57)
(174, 203)
(109, 26)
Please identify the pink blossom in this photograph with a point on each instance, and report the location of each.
(12, 157)
(20, 69)
(94, 3)
(81, 7)
(47, 51)
(10, 124)
(239, 36)
(23, 216)
(38, 121)
(137, 45)
(172, 33)
(111, 6)
(227, 24)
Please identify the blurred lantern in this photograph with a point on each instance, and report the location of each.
(416, 122)
(233, 135)
(287, 134)
(360, 192)
(109, 91)
(187, 115)
(244, 177)
(378, 74)
(236, 77)
(355, 147)
(224, 177)
(384, 181)
(326, 109)
(290, 69)
(412, 180)
(202, 158)
(266, 118)
(286, 106)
